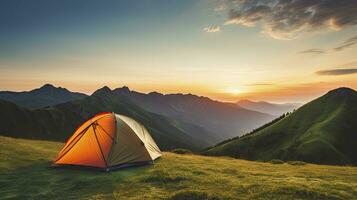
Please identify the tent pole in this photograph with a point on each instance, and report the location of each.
(101, 151)
(105, 132)
(81, 135)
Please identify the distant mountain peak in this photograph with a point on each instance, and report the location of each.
(245, 101)
(341, 91)
(47, 86)
(45, 95)
(125, 88)
(155, 93)
(267, 107)
(122, 90)
(103, 90)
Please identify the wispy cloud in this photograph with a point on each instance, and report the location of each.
(288, 19)
(314, 51)
(212, 29)
(337, 72)
(260, 84)
(221, 6)
(341, 47)
(346, 44)
(349, 64)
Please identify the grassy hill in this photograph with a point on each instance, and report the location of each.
(322, 131)
(25, 174)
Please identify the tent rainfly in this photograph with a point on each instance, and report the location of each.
(109, 141)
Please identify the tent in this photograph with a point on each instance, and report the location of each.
(109, 141)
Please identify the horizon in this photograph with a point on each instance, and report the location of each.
(221, 49)
(147, 92)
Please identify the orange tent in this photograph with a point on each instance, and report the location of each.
(108, 141)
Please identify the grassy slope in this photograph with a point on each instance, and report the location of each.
(322, 131)
(25, 174)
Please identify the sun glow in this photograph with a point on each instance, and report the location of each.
(234, 91)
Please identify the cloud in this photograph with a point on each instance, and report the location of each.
(314, 51)
(336, 72)
(260, 84)
(288, 19)
(349, 64)
(341, 47)
(347, 44)
(222, 5)
(212, 29)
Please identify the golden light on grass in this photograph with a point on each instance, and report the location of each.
(171, 177)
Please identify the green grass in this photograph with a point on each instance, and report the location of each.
(25, 174)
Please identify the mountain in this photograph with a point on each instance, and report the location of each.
(178, 120)
(266, 107)
(322, 131)
(46, 95)
(222, 120)
(59, 122)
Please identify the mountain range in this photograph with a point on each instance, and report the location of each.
(223, 120)
(46, 95)
(175, 120)
(59, 122)
(266, 107)
(322, 131)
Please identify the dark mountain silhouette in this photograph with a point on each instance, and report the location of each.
(266, 107)
(59, 122)
(46, 95)
(322, 131)
(223, 120)
(193, 122)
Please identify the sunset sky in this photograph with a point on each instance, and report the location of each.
(226, 50)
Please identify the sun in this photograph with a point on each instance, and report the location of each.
(234, 91)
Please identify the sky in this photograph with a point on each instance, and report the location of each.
(277, 50)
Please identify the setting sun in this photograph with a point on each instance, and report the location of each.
(241, 99)
(234, 91)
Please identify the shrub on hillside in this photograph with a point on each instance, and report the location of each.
(295, 162)
(276, 161)
(182, 151)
